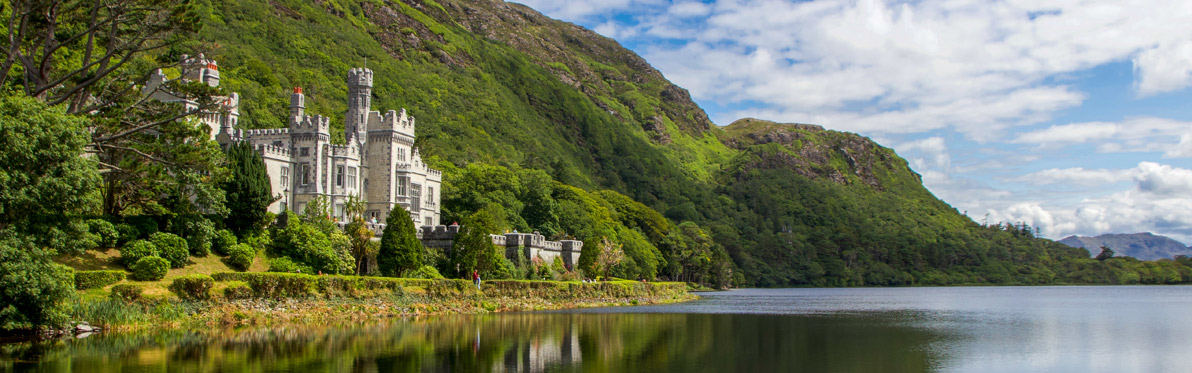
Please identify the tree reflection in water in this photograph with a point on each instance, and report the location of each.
(525, 342)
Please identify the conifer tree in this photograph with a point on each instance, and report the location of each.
(247, 189)
(400, 249)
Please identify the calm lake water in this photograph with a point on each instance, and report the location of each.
(982, 329)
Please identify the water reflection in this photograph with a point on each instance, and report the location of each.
(508, 342)
(814, 330)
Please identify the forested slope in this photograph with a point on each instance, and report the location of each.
(554, 128)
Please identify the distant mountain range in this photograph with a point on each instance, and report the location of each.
(1145, 246)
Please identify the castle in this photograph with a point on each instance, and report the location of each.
(379, 163)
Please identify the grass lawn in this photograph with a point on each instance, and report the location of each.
(101, 259)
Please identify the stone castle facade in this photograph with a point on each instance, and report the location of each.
(378, 164)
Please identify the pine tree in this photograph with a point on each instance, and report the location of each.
(400, 249)
(247, 189)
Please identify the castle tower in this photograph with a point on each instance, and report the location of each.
(297, 105)
(200, 69)
(360, 82)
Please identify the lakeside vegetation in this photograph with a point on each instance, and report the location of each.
(585, 141)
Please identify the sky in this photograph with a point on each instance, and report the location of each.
(1071, 116)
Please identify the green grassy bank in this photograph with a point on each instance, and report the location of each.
(233, 299)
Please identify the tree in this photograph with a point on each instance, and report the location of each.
(32, 287)
(610, 254)
(247, 189)
(473, 248)
(42, 177)
(74, 52)
(400, 249)
(1106, 253)
(362, 245)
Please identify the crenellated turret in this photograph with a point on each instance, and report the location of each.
(360, 83)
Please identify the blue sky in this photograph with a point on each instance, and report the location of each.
(1074, 116)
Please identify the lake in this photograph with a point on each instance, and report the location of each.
(967, 329)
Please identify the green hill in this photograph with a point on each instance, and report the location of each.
(566, 132)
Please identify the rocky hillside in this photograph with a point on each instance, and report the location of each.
(505, 97)
(1145, 246)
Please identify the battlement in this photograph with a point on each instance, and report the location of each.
(264, 132)
(308, 124)
(273, 150)
(341, 151)
(360, 77)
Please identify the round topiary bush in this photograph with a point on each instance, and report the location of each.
(224, 239)
(172, 248)
(193, 286)
(135, 250)
(108, 236)
(240, 256)
(150, 268)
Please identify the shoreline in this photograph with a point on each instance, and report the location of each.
(296, 300)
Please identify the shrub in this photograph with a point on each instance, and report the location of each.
(97, 279)
(198, 232)
(240, 256)
(108, 236)
(238, 290)
(32, 286)
(127, 292)
(172, 248)
(193, 286)
(427, 272)
(150, 268)
(126, 233)
(305, 244)
(135, 250)
(224, 239)
(146, 225)
(275, 285)
(285, 265)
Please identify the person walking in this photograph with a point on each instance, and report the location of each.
(476, 278)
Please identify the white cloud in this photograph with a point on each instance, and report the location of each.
(1163, 180)
(1076, 175)
(1171, 137)
(876, 67)
(1159, 201)
(933, 150)
(1167, 67)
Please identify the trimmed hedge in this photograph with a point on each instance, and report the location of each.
(193, 286)
(127, 292)
(150, 268)
(223, 241)
(135, 250)
(172, 248)
(97, 279)
(292, 285)
(240, 256)
(238, 290)
(274, 285)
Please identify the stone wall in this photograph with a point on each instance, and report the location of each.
(527, 245)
